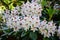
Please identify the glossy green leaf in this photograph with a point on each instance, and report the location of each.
(50, 12)
(44, 3)
(33, 35)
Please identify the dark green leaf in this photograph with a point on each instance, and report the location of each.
(33, 35)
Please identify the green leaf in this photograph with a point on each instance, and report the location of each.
(11, 33)
(50, 12)
(23, 34)
(53, 38)
(11, 7)
(44, 3)
(45, 38)
(7, 1)
(3, 35)
(33, 35)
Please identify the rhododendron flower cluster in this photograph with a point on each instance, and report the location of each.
(12, 18)
(30, 22)
(29, 19)
(47, 28)
(14, 22)
(31, 9)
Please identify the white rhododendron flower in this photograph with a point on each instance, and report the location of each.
(8, 13)
(12, 18)
(47, 29)
(16, 11)
(30, 22)
(58, 32)
(14, 22)
(31, 9)
(37, 0)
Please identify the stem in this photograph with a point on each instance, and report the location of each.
(50, 17)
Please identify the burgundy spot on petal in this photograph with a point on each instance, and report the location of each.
(36, 22)
(34, 5)
(15, 27)
(38, 12)
(39, 8)
(15, 17)
(32, 18)
(34, 8)
(20, 23)
(29, 6)
(15, 21)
